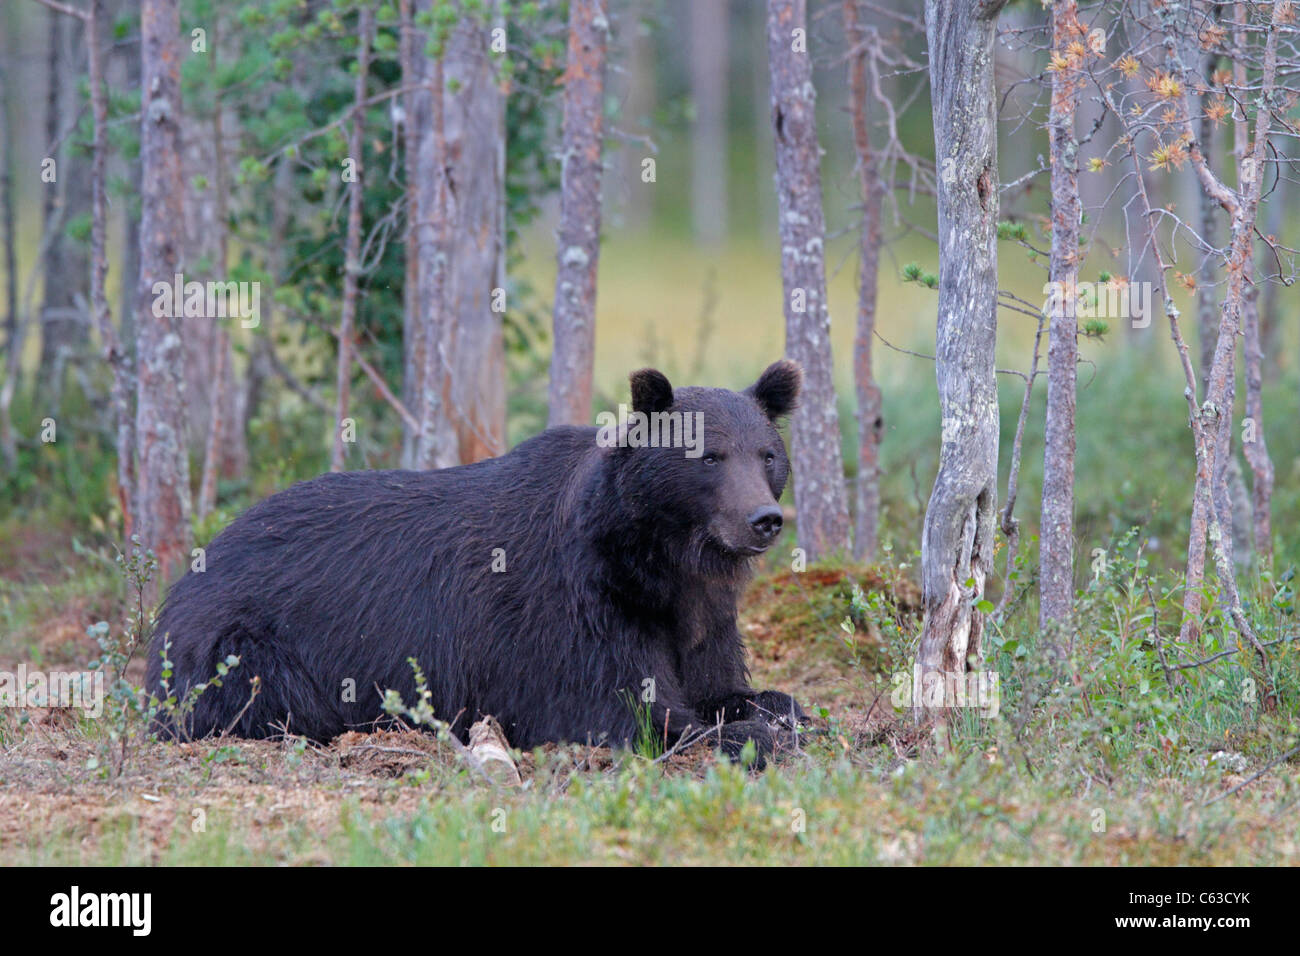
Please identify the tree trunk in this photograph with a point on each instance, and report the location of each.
(820, 505)
(413, 64)
(262, 362)
(708, 50)
(1225, 488)
(352, 244)
(1270, 314)
(1215, 413)
(433, 250)
(1253, 445)
(957, 542)
(1056, 526)
(870, 414)
(13, 341)
(638, 111)
(164, 492)
(475, 409)
(58, 310)
(197, 258)
(579, 233)
(129, 279)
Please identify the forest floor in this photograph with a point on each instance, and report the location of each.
(865, 790)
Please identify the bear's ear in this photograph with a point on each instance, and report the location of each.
(651, 391)
(777, 389)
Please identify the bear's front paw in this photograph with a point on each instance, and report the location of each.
(768, 740)
(735, 737)
(772, 705)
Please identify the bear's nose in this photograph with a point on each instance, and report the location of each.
(766, 521)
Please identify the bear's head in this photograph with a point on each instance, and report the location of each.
(710, 466)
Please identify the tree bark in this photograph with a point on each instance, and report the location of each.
(870, 413)
(65, 267)
(1210, 416)
(819, 496)
(352, 244)
(223, 387)
(13, 340)
(1270, 314)
(128, 284)
(1056, 525)
(578, 250)
(475, 409)
(163, 492)
(412, 62)
(957, 542)
(262, 362)
(1255, 449)
(708, 51)
(433, 250)
(1225, 487)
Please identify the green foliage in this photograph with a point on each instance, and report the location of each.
(648, 742)
(913, 273)
(130, 712)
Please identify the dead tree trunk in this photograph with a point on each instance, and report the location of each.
(1242, 208)
(475, 409)
(1056, 526)
(708, 43)
(578, 250)
(352, 244)
(822, 511)
(164, 479)
(957, 542)
(870, 414)
(1227, 486)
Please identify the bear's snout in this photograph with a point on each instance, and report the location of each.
(766, 522)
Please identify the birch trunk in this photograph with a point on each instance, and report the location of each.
(412, 64)
(433, 251)
(820, 505)
(1056, 526)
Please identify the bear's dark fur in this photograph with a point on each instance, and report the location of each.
(622, 565)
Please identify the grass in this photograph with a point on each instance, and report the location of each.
(1103, 764)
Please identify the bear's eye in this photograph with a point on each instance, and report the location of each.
(770, 459)
(710, 459)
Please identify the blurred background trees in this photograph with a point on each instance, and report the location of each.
(604, 175)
